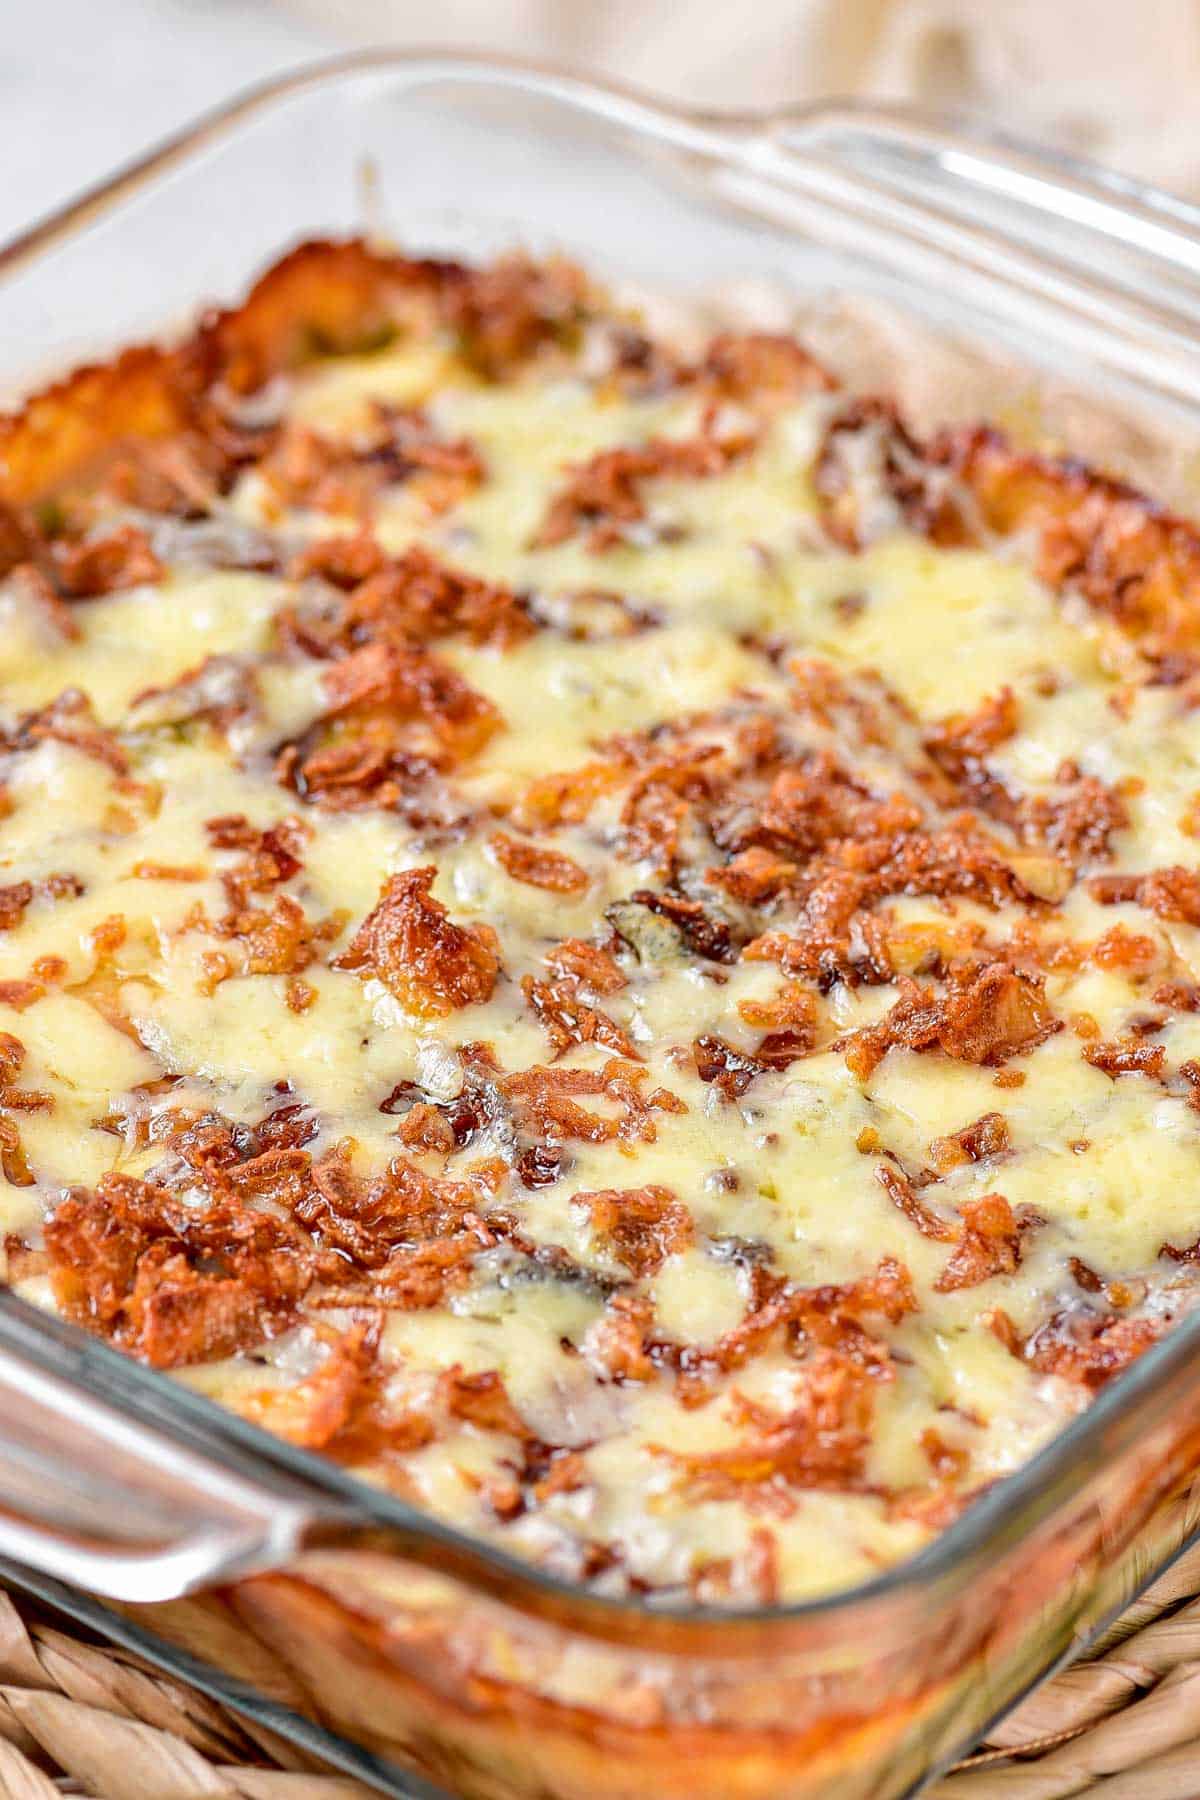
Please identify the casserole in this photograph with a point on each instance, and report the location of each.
(630, 1685)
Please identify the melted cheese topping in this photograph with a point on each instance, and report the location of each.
(724, 579)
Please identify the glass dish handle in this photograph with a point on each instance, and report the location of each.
(1051, 246)
(111, 1503)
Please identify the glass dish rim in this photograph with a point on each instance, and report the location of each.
(1011, 1507)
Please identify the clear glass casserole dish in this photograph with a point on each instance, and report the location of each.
(427, 1648)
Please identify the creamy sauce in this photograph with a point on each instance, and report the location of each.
(788, 1169)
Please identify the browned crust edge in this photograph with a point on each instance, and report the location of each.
(323, 296)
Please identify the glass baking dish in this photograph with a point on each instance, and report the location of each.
(433, 1652)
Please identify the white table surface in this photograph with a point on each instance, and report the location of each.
(86, 84)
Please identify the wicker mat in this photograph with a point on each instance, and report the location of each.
(79, 1719)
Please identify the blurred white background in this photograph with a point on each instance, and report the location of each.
(84, 84)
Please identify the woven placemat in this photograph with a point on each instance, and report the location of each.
(80, 1719)
(1121, 1724)
(77, 1718)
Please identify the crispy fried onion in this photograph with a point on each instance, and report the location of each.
(169, 1282)
(985, 1018)
(69, 719)
(604, 501)
(352, 594)
(410, 943)
(640, 1226)
(833, 1317)
(816, 814)
(398, 445)
(394, 721)
(1172, 893)
(16, 1099)
(872, 476)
